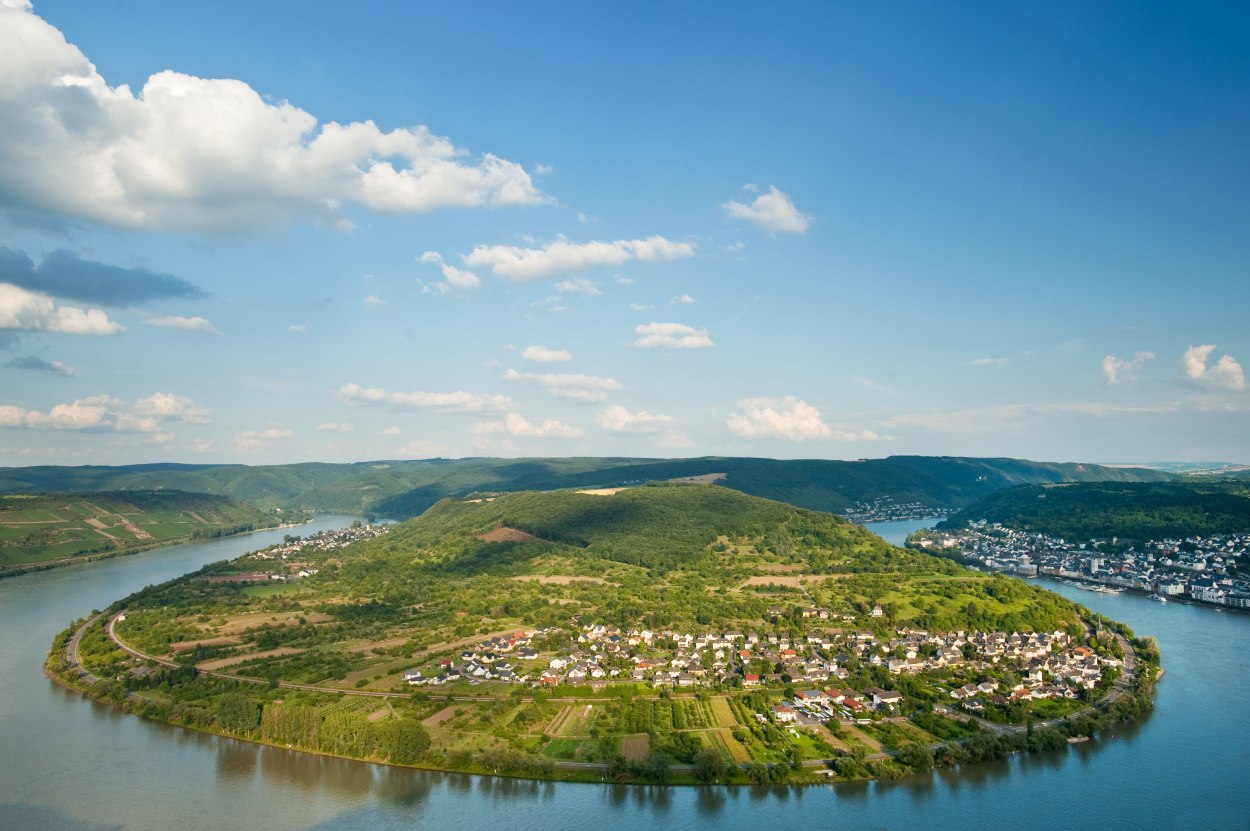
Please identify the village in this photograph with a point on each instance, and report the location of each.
(1203, 569)
(289, 555)
(811, 670)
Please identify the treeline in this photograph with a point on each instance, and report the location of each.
(1129, 511)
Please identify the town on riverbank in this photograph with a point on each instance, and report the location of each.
(1206, 569)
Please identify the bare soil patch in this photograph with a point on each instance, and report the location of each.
(240, 623)
(635, 747)
(187, 646)
(249, 656)
(562, 579)
(778, 568)
(506, 534)
(794, 581)
(441, 717)
(705, 479)
(603, 491)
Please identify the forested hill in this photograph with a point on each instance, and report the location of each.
(667, 555)
(401, 489)
(1135, 511)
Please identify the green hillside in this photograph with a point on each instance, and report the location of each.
(1134, 511)
(401, 489)
(41, 529)
(654, 633)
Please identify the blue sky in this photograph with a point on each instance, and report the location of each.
(273, 232)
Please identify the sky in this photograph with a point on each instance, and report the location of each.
(277, 232)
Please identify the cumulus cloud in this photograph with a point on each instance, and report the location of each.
(453, 278)
(544, 355)
(993, 360)
(1123, 370)
(787, 418)
(772, 211)
(566, 257)
(618, 419)
(64, 274)
(682, 300)
(671, 336)
(336, 427)
(518, 426)
(151, 415)
(458, 401)
(37, 364)
(31, 312)
(197, 154)
(186, 324)
(299, 328)
(567, 385)
(1225, 374)
(249, 440)
(578, 285)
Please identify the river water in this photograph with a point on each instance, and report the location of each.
(68, 763)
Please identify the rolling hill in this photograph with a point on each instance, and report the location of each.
(402, 489)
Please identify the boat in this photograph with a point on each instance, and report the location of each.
(1158, 597)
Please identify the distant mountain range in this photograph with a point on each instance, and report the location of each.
(402, 489)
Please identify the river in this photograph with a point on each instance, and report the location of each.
(69, 763)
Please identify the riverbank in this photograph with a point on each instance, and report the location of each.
(1128, 699)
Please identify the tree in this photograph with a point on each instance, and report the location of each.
(710, 765)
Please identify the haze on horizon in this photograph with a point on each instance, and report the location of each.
(271, 233)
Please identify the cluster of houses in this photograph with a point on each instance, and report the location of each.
(1195, 568)
(1048, 664)
(885, 509)
(292, 554)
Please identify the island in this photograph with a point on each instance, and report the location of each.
(680, 633)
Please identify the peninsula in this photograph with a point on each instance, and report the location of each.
(665, 633)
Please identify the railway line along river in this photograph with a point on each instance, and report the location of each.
(69, 763)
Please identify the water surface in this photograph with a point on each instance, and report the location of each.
(68, 763)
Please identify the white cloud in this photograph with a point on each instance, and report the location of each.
(32, 312)
(786, 418)
(772, 211)
(373, 301)
(518, 426)
(618, 419)
(390, 431)
(683, 300)
(1123, 370)
(566, 385)
(188, 153)
(671, 336)
(1225, 374)
(993, 360)
(544, 355)
(337, 427)
(578, 285)
(565, 257)
(454, 401)
(259, 439)
(638, 307)
(150, 415)
(299, 328)
(453, 278)
(186, 324)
